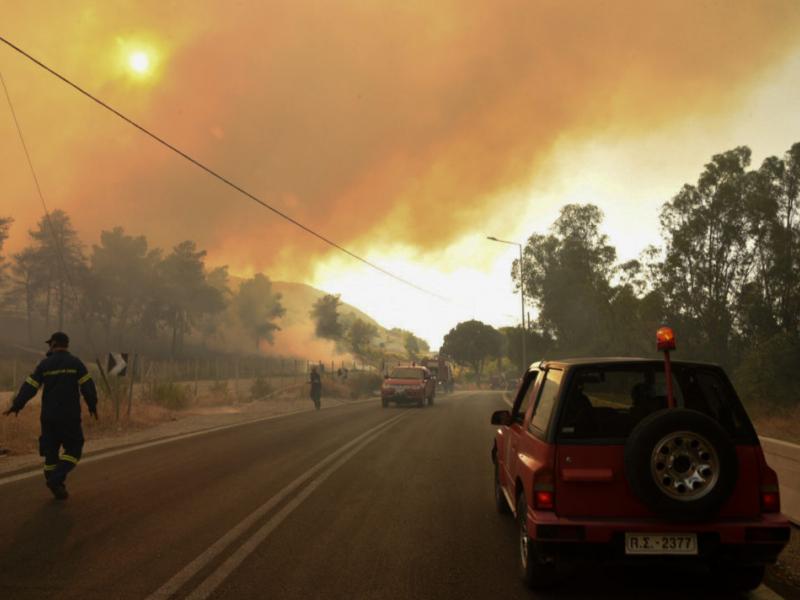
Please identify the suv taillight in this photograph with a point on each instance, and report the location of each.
(544, 497)
(770, 499)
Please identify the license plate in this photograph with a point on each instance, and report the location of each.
(661, 543)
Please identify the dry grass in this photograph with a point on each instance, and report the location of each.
(19, 435)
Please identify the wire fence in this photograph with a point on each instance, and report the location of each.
(179, 384)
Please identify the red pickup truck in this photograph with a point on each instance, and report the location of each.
(607, 459)
(408, 385)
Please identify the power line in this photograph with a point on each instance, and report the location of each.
(219, 176)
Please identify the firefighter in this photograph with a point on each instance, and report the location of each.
(316, 386)
(63, 377)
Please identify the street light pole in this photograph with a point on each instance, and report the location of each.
(522, 299)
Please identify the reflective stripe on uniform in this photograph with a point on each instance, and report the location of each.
(50, 467)
(60, 372)
(33, 382)
(84, 379)
(69, 458)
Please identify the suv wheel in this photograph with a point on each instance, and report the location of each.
(681, 464)
(536, 570)
(500, 502)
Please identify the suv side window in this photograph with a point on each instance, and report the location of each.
(527, 398)
(547, 401)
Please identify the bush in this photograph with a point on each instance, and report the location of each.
(260, 389)
(768, 376)
(168, 395)
(219, 389)
(361, 385)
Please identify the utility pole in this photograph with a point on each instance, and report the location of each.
(524, 329)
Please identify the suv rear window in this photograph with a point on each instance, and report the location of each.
(407, 373)
(607, 402)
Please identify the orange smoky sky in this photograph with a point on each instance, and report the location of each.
(376, 123)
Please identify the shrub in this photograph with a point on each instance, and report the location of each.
(768, 377)
(361, 385)
(260, 389)
(167, 395)
(219, 389)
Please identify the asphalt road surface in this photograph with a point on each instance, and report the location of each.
(347, 503)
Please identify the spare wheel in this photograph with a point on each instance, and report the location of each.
(681, 464)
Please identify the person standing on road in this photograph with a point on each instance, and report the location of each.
(65, 378)
(316, 386)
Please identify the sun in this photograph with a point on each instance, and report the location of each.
(139, 62)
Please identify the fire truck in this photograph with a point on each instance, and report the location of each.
(441, 370)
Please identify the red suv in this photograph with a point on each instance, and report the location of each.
(405, 385)
(609, 459)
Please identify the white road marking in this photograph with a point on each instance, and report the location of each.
(211, 583)
(765, 593)
(37, 472)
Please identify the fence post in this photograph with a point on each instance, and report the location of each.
(108, 386)
(14, 377)
(236, 373)
(130, 386)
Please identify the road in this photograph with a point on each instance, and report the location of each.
(351, 502)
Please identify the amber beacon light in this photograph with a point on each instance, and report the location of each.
(665, 339)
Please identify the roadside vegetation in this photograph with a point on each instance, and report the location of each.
(121, 292)
(726, 277)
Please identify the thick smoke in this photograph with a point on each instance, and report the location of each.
(376, 123)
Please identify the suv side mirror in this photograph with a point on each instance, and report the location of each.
(501, 417)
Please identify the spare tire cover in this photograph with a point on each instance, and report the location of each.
(681, 464)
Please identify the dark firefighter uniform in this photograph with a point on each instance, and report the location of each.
(64, 378)
(316, 387)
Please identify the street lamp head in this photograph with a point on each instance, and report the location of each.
(491, 237)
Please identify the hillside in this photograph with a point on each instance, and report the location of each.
(297, 337)
(298, 298)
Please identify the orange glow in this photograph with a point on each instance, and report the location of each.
(390, 148)
(665, 339)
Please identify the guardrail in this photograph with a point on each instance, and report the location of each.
(784, 457)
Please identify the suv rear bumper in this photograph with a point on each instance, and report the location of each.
(756, 541)
(404, 399)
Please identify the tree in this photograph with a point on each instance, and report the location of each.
(25, 284)
(770, 302)
(59, 258)
(5, 225)
(708, 254)
(470, 343)
(566, 276)
(257, 307)
(538, 345)
(186, 295)
(414, 346)
(325, 314)
(359, 338)
(213, 325)
(121, 280)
